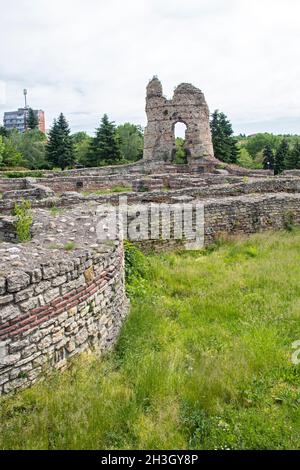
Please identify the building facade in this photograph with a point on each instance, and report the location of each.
(18, 119)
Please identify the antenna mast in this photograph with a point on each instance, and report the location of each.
(25, 97)
(25, 110)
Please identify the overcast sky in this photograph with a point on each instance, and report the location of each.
(90, 57)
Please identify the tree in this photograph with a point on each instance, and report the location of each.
(82, 142)
(10, 155)
(32, 122)
(292, 160)
(257, 142)
(32, 145)
(60, 149)
(268, 158)
(225, 145)
(181, 154)
(281, 157)
(79, 137)
(245, 160)
(2, 147)
(105, 146)
(4, 132)
(131, 141)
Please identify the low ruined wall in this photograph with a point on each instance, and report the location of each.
(230, 186)
(86, 183)
(8, 232)
(8, 184)
(250, 214)
(36, 192)
(241, 215)
(55, 311)
(141, 166)
(295, 173)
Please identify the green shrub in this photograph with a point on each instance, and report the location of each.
(288, 221)
(24, 220)
(136, 269)
(69, 246)
(55, 211)
(120, 189)
(23, 174)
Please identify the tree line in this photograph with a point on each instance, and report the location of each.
(113, 144)
(259, 151)
(269, 151)
(32, 149)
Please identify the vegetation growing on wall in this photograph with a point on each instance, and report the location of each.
(23, 220)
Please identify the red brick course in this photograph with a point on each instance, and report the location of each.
(39, 315)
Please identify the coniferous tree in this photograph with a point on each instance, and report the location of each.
(281, 157)
(32, 122)
(224, 143)
(292, 160)
(4, 132)
(60, 148)
(268, 158)
(2, 148)
(105, 146)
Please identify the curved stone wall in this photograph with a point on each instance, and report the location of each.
(56, 302)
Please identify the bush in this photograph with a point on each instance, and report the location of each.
(23, 174)
(289, 221)
(24, 221)
(136, 269)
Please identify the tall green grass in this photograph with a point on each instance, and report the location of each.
(203, 361)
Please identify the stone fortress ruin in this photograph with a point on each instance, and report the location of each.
(63, 292)
(188, 106)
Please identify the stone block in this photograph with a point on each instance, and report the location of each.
(17, 281)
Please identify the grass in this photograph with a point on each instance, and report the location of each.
(115, 189)
(203, 361)
(55, 211)
(69, 246)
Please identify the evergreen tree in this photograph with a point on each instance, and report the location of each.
(60, 149)
(32, 122)
(2, 148)
(281, 157)
(268, 158)
(292, 160)
(225, 145)
(4, 132)
(105, 146)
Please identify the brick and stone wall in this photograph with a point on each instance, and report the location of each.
(53, 310)
(8, 231)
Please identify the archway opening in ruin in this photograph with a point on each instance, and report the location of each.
(179, 153)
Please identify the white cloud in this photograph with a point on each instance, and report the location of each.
(89, 57)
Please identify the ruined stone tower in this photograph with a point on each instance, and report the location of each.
(188, 106)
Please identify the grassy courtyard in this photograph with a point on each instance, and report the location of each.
(203, 361)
